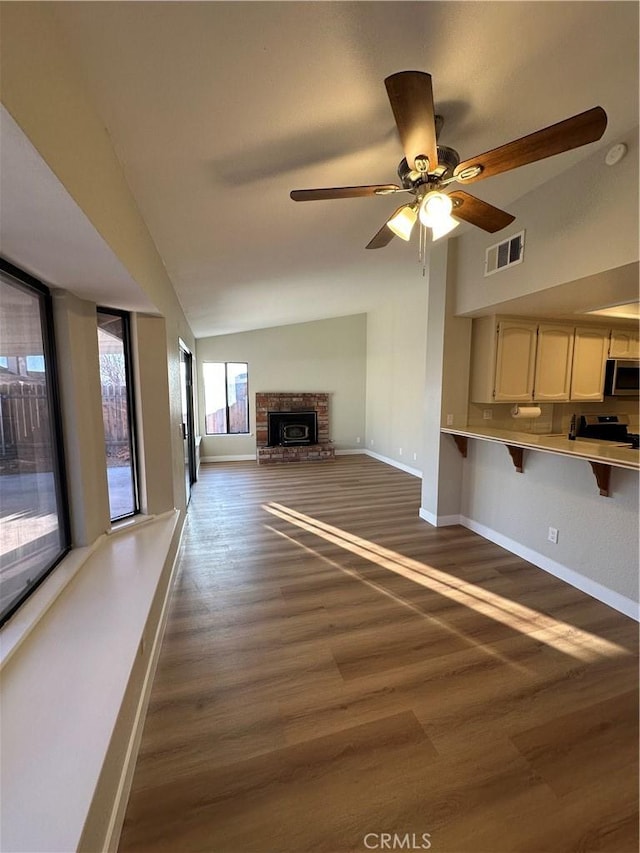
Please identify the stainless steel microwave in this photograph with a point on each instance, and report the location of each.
(622, 377)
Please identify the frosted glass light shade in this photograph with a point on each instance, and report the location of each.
(403, 221)
(444, 226)
(434, 208)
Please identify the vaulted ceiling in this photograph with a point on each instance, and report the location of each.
(217, 109)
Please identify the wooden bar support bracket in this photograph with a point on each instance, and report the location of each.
(461, 442)
(602, 474)
(516, 454)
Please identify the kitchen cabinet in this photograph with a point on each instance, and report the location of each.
(503, 353)
(554, 359)
(590, 349)
(624, 344)
(515, 361)
(527, 360)
(519, 361)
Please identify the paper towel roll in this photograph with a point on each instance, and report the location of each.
(526, 411)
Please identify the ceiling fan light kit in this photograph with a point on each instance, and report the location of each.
(428, 168)
(443, 227)
(435, 207)
(402, 222)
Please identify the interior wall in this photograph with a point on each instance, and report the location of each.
(446, 388)
(325, 355)
(82, 424)
(396, 354)
(598, 536)
(582, 223)
(46, 94)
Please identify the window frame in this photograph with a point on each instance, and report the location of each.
(226, 398)
(38, 288)
(131, 406)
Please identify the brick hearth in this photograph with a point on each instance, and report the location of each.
(293, 402)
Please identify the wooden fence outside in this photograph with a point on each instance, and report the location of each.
(24, 422)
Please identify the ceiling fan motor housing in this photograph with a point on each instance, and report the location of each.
(448, 159)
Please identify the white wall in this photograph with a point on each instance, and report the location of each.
(396, 353)
(446, 388)
(45, 94)
(325, 355)
(581, 224)
(598, 536)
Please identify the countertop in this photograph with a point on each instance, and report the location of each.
(606, 452)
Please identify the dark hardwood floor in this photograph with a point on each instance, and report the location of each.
(334, 668)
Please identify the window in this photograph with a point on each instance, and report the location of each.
(35, 524)
(226, 404)
(117, 411)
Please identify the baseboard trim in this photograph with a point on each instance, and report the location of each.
(359, 451)
(118, 812)
(438, 520)
(596, 590)
(415, 472)
(237, 457)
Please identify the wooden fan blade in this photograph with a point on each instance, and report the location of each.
(342, 192)
(563, 136)
(411, 97)
(479, 212)
(385, 235)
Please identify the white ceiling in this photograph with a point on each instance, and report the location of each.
(217, 110)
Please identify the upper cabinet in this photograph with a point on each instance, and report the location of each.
(589, 360)
(515, 361)
(527, 360)
(624, 344)
(554, 360)
(502, 360)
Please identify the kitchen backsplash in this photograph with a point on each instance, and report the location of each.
(554, 417)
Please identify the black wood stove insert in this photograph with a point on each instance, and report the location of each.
(292, 429)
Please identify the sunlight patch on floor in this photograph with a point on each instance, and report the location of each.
(398, 600)
(559, 635)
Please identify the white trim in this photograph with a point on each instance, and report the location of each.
(76, 650)
(24, 620)
(127, 523)
(356, 451)
(118, 811)
(438, 520)
(596, 590)
(236, 457)
(415, 472)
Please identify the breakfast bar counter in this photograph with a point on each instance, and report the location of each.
(602, 455)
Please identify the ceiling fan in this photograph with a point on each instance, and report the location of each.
(428, 169)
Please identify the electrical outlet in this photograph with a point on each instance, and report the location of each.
(358, 439)
(449, 420)
(487, 414)
(415, 457)
(400, 451)
(553, 535)
(371, 442)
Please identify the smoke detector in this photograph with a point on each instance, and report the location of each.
(615, 154)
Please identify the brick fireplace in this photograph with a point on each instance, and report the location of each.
(286, 404)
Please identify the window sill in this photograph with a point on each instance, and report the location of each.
(24, 620)
(126, 524)
(227, 435)
(63, 689)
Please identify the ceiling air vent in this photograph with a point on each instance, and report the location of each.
(505, 254)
